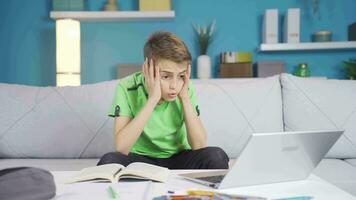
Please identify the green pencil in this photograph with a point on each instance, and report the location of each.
(112, 192)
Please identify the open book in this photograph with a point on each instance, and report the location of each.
(113, 172)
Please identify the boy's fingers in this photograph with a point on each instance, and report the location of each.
(189, 68)
(151, 69)
(156, 72)
(144, 66)
(187, 74)
(145, 72)
(148, 70)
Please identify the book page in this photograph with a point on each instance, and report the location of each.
(107, 172)
(99, 191)
(145, 171)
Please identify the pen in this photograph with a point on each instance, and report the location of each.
(296, 198)
(209, 195)
(182, 197)
(112, 192)
(200, 193)
(217, 195)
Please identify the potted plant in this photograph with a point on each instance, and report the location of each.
(350, 68)
(204, 36)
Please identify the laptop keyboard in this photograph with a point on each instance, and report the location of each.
(212, 179)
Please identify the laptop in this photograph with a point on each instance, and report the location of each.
(272, 158)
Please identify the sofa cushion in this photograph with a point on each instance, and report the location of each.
(72, 122)
(351, 161)
(55, 122)
(339, 173)
(316, 104)
(50, 164)
(232, 109)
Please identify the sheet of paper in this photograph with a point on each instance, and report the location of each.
(87, 190)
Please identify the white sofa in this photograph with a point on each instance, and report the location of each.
(67, 128)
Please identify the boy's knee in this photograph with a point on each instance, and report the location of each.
(114, 157)
(215, 157)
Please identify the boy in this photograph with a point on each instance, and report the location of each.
(156, 114)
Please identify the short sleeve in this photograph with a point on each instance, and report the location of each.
(193, 100)
(120, 104)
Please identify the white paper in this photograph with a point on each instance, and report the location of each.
(125, 190)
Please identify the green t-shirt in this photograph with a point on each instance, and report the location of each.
(164, 133)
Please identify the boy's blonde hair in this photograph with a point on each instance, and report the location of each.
(166, 45)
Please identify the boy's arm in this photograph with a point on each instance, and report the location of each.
(128, 130)
(195, 130)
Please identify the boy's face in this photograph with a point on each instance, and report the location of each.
(172, 77)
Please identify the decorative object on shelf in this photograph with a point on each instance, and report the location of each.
(350, 68)
(68, 5)
(235, 57)
(270, 68)
(270, 27)
(235, 65)
(235, 70)
(204, 67)
(204, 35)
(154, 5)
(302, 70)
(292, 26)
(352, 32)
(322, 36)
(110, 5)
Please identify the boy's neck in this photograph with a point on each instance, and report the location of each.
(161, 101)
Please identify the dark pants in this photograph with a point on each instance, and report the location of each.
(205, 158)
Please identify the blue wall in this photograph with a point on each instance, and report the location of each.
(27, 36)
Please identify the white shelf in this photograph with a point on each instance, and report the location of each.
(112, 15)
(308, 46)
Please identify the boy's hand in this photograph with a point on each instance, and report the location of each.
(152, 80)
(183, 94)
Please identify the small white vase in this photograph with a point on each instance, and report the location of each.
(204, 67)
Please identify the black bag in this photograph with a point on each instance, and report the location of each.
(28, 183)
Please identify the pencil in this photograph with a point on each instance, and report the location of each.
(112, 192)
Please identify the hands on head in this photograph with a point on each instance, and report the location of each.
(152, 80)
(151, 71)
(184, 92)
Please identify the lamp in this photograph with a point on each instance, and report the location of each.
(67, 52)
